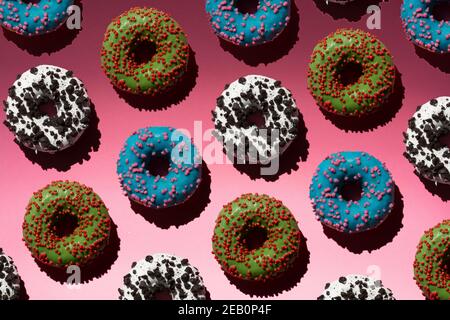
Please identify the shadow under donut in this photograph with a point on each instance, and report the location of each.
(168, 98)
(437, 189)
(268, 52)
(285, 282)
(47, 43)
(373, 239)
(79, 152)
(23, 294)
(183, 213)
(379, 118)
(288, 161)
(96, 268)
(439, 61)
(352, 11)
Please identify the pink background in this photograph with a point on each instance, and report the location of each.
(138, 237)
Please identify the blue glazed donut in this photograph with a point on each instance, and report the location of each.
(143, 150)
(245, 29)
(344, 168)
(33, 19)
(423, 28)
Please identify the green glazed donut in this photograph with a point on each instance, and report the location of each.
(144, 27)
(245, 214)
(432, 263)
(373, 66)
(66, 223)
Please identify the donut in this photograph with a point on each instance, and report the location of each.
(66, 223)
(31, 18)
(9, 278)
(162, 272)
(33, 127)
(146, 28)
(339, 1)
(356, 287)
(424, 149)
(357, 53)
(150, 148)
(423, 28)
(247, 29)
(432, 262)
(257, 214)
(341, 170)
(249, 96)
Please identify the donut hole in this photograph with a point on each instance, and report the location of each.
(63, 224)
(349, 72)
(256, 119)
(254, 237)
(351, 190)
(47, 107)
(159, 165)
(142, 51)
(441, 11)
(162, 294)
(246, 6)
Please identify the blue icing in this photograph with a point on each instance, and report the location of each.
(352, 216)
(423, 28)
(263, 26)
(184, 174)
(33, 19)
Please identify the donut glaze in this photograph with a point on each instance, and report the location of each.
(333, 55)
(146, 26)
(31, 19)
(424, 150)
(356, 287)
(65, 201)
(243, 140)
(9, 278)
(422, 28)
(377, 197)
(135, 160)
(277, 253)
(432, 263)
(159, 272)
(34, 128)
(248, 29)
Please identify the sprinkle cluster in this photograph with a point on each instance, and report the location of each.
(182, 179)
(423, 28)
(59, 200)
(276, 254)
(377, 198)
(248, 29)
(164, 68)
(30, 19)
(432, 263)
(339, 49)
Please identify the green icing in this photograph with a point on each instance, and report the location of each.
(274, 256)
(84, 243)
(339, 49)
(143, 25)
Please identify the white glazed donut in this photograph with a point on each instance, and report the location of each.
(424, 149)
(36, 129)
(356, 287)
(9, 278)
(241, 100)
(163, 272)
